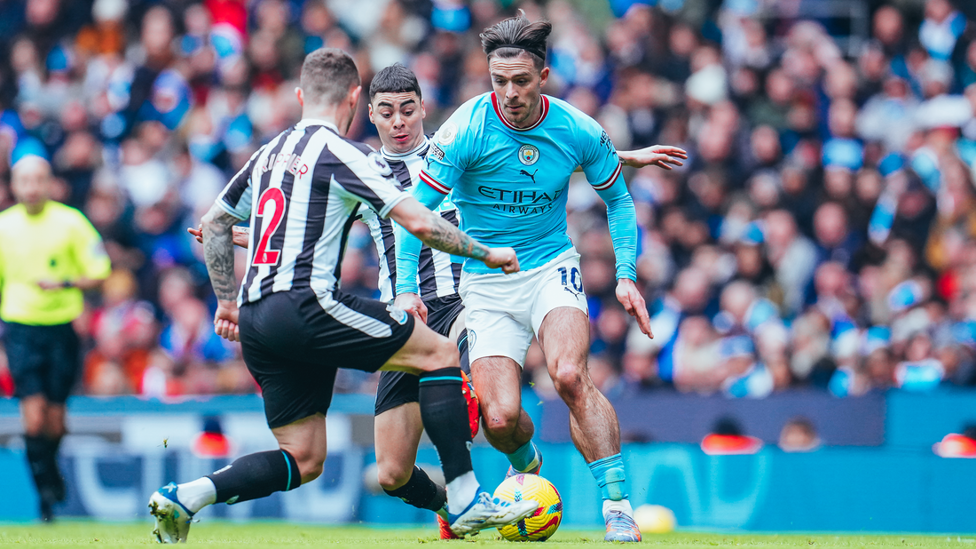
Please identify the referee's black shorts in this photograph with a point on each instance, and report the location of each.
(43, 360)
(293, 347)
(398, 388)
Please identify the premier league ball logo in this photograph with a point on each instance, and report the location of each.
(528, 154)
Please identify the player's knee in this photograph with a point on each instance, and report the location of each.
(310, 460)
(393, 476)
(33, 426)
(311, 468)
(34, 415)
(568, 379)
(499, 420)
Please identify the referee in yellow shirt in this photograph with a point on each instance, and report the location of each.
(49, 253)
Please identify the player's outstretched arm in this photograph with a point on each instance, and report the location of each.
(662, 156)
(436, 232)
(218, 252)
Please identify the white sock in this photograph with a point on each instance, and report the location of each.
(197, 494)
(622, 505)
(461, 492)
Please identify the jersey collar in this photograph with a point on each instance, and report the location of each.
(401, 156)
(509, 125)
(306, 122)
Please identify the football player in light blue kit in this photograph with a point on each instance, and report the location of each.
(506, 158)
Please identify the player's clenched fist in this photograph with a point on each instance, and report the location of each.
(411, 303)
(502, 258)
(226, 321)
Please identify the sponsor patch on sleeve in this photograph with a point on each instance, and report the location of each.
(435, 152)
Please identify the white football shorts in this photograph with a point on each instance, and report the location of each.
(504, 311)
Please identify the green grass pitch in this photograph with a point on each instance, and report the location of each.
(216, 534)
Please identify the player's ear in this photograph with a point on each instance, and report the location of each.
(300, 95)
(423, 111)
(369, 111)
(354, 97)
(543, 76)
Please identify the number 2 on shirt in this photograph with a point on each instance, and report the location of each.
(272, 199)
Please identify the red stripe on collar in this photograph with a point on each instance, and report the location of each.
(509, 125)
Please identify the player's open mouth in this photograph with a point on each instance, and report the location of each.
(401, 137)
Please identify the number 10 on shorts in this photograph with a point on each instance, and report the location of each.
(571, 278)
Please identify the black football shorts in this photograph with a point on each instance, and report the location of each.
(43, 360)
(293, 343)
(398, 388)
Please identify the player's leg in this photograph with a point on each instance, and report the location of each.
(297, 391)
(33, 364)
(448, 318)
(397, 435)
(499, 334)
(298, 459)
(64, 359)
(498, 382)
(41, 451)
(398, 424)
(564, 336)
(436, 361)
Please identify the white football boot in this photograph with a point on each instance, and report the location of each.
(487, 512)
(172, 518)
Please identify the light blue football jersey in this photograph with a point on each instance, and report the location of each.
(511, 184)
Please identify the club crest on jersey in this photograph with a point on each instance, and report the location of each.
(397, 314)
(447, 133)
(472, 338)
(378, 163)
(528, 154)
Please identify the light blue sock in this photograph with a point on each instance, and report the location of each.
(524, 458)
(610, 476)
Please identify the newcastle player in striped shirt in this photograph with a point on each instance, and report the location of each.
(302, 192)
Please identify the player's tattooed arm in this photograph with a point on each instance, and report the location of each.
(218, 251)
(440, 234)
(445, 237)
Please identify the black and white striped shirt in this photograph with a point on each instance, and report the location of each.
(302, 192)
(438, 275)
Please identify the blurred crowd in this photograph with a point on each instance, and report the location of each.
(822, 233)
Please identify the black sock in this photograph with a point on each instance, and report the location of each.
(54, 471)
(445, 417)
(256, 476)
(38, 449)
(421, 492)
